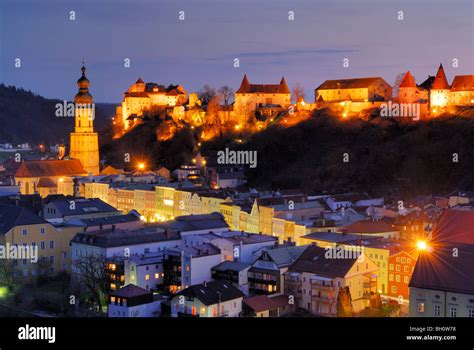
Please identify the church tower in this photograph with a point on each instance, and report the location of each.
(84, 141)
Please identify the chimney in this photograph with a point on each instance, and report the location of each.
(204, 283)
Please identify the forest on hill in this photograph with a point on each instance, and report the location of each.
(28, 117)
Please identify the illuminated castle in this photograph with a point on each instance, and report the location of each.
(250, 97)
(84, 141)
(141, 97)
(437, 92)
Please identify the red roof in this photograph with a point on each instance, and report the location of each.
(356, 83)
(50, 168)
(463, 83)
(408, 81)
(455, 226)
(247, 88)
(440, 82)
(261, 303)
(368, 226)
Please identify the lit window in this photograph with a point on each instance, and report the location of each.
(421, 308)
(147, 277)
(157, 275)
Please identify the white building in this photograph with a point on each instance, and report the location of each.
(133, 301)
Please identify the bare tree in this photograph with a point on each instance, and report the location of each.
(206, 94)
(90, 276)
(226, 93)
(298, 92)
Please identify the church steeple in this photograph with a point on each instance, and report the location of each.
(83, 95)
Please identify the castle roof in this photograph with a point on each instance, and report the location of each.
(408, 81)
(357, 83)
(440, 82)
(428, 83)
(247, 88)
(463, 83)
(45, 168)
(140, 81)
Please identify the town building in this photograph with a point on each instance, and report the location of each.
(441, 285)
(266, 276)
(233, 272)
(133, 301)
(208, 299)
(315, 281)
(276, 305)
(43, 176)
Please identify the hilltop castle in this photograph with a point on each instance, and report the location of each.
(141, 97)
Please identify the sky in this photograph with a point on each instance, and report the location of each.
(201, 48)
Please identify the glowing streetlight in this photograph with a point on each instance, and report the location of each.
(421, 245)
(141, 166)
(237, 127)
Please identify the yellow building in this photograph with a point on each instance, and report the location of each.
(97, 190)
(462, 90)
(24, 229)
(253, 219)
(84, 141)
(165, 202)
(440, 96)
(125, 199)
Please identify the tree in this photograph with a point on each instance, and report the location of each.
(344, 302)
(298, 92)
(91, 278)
(7, 273)
(206, 94)
(226, 93)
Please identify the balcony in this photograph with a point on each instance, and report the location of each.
(323, 298)
(318, 287)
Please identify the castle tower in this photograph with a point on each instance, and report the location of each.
(84, 141)
(440, 92)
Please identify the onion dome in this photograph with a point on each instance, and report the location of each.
(83, 96)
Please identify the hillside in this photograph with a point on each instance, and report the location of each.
(27, 117)
(385, 156)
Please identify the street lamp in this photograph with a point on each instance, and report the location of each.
(422, 245)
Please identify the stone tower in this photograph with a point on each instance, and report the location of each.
(84, 141)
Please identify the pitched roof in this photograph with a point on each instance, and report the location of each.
(196, 222)
(440, 269)
(231, 266)
(368, 226)
(463, 83)
(314, 260)
(211, 293)
(247, 88)
(356, 83)
(428, 83)
(12, 215)
(408, 81)
(45, 168)
(140, 81)
(81, 206)
(261, 303)
(455, 226)
(130, 291)
(286, 255)
(46, 182)
(440, 82)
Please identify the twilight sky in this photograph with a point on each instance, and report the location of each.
(201, 49)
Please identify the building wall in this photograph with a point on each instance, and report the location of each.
(437, 303)
(230, 308)
(400, 270)
(250, 101)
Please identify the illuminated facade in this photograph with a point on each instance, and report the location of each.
(84, 141)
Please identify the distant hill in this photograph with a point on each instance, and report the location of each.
(27, 117)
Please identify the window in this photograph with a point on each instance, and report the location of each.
(147, 277)
(406, 268)
(453, 311)
(24, 232)
(42, 230)
(404, 260)
(51, 244)
(157, 275)
(398, 268)
(390, 267)
(421, 308)
(405, 279)
(437, 310)
(394, 289)
(470, 313)
(397, 278)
